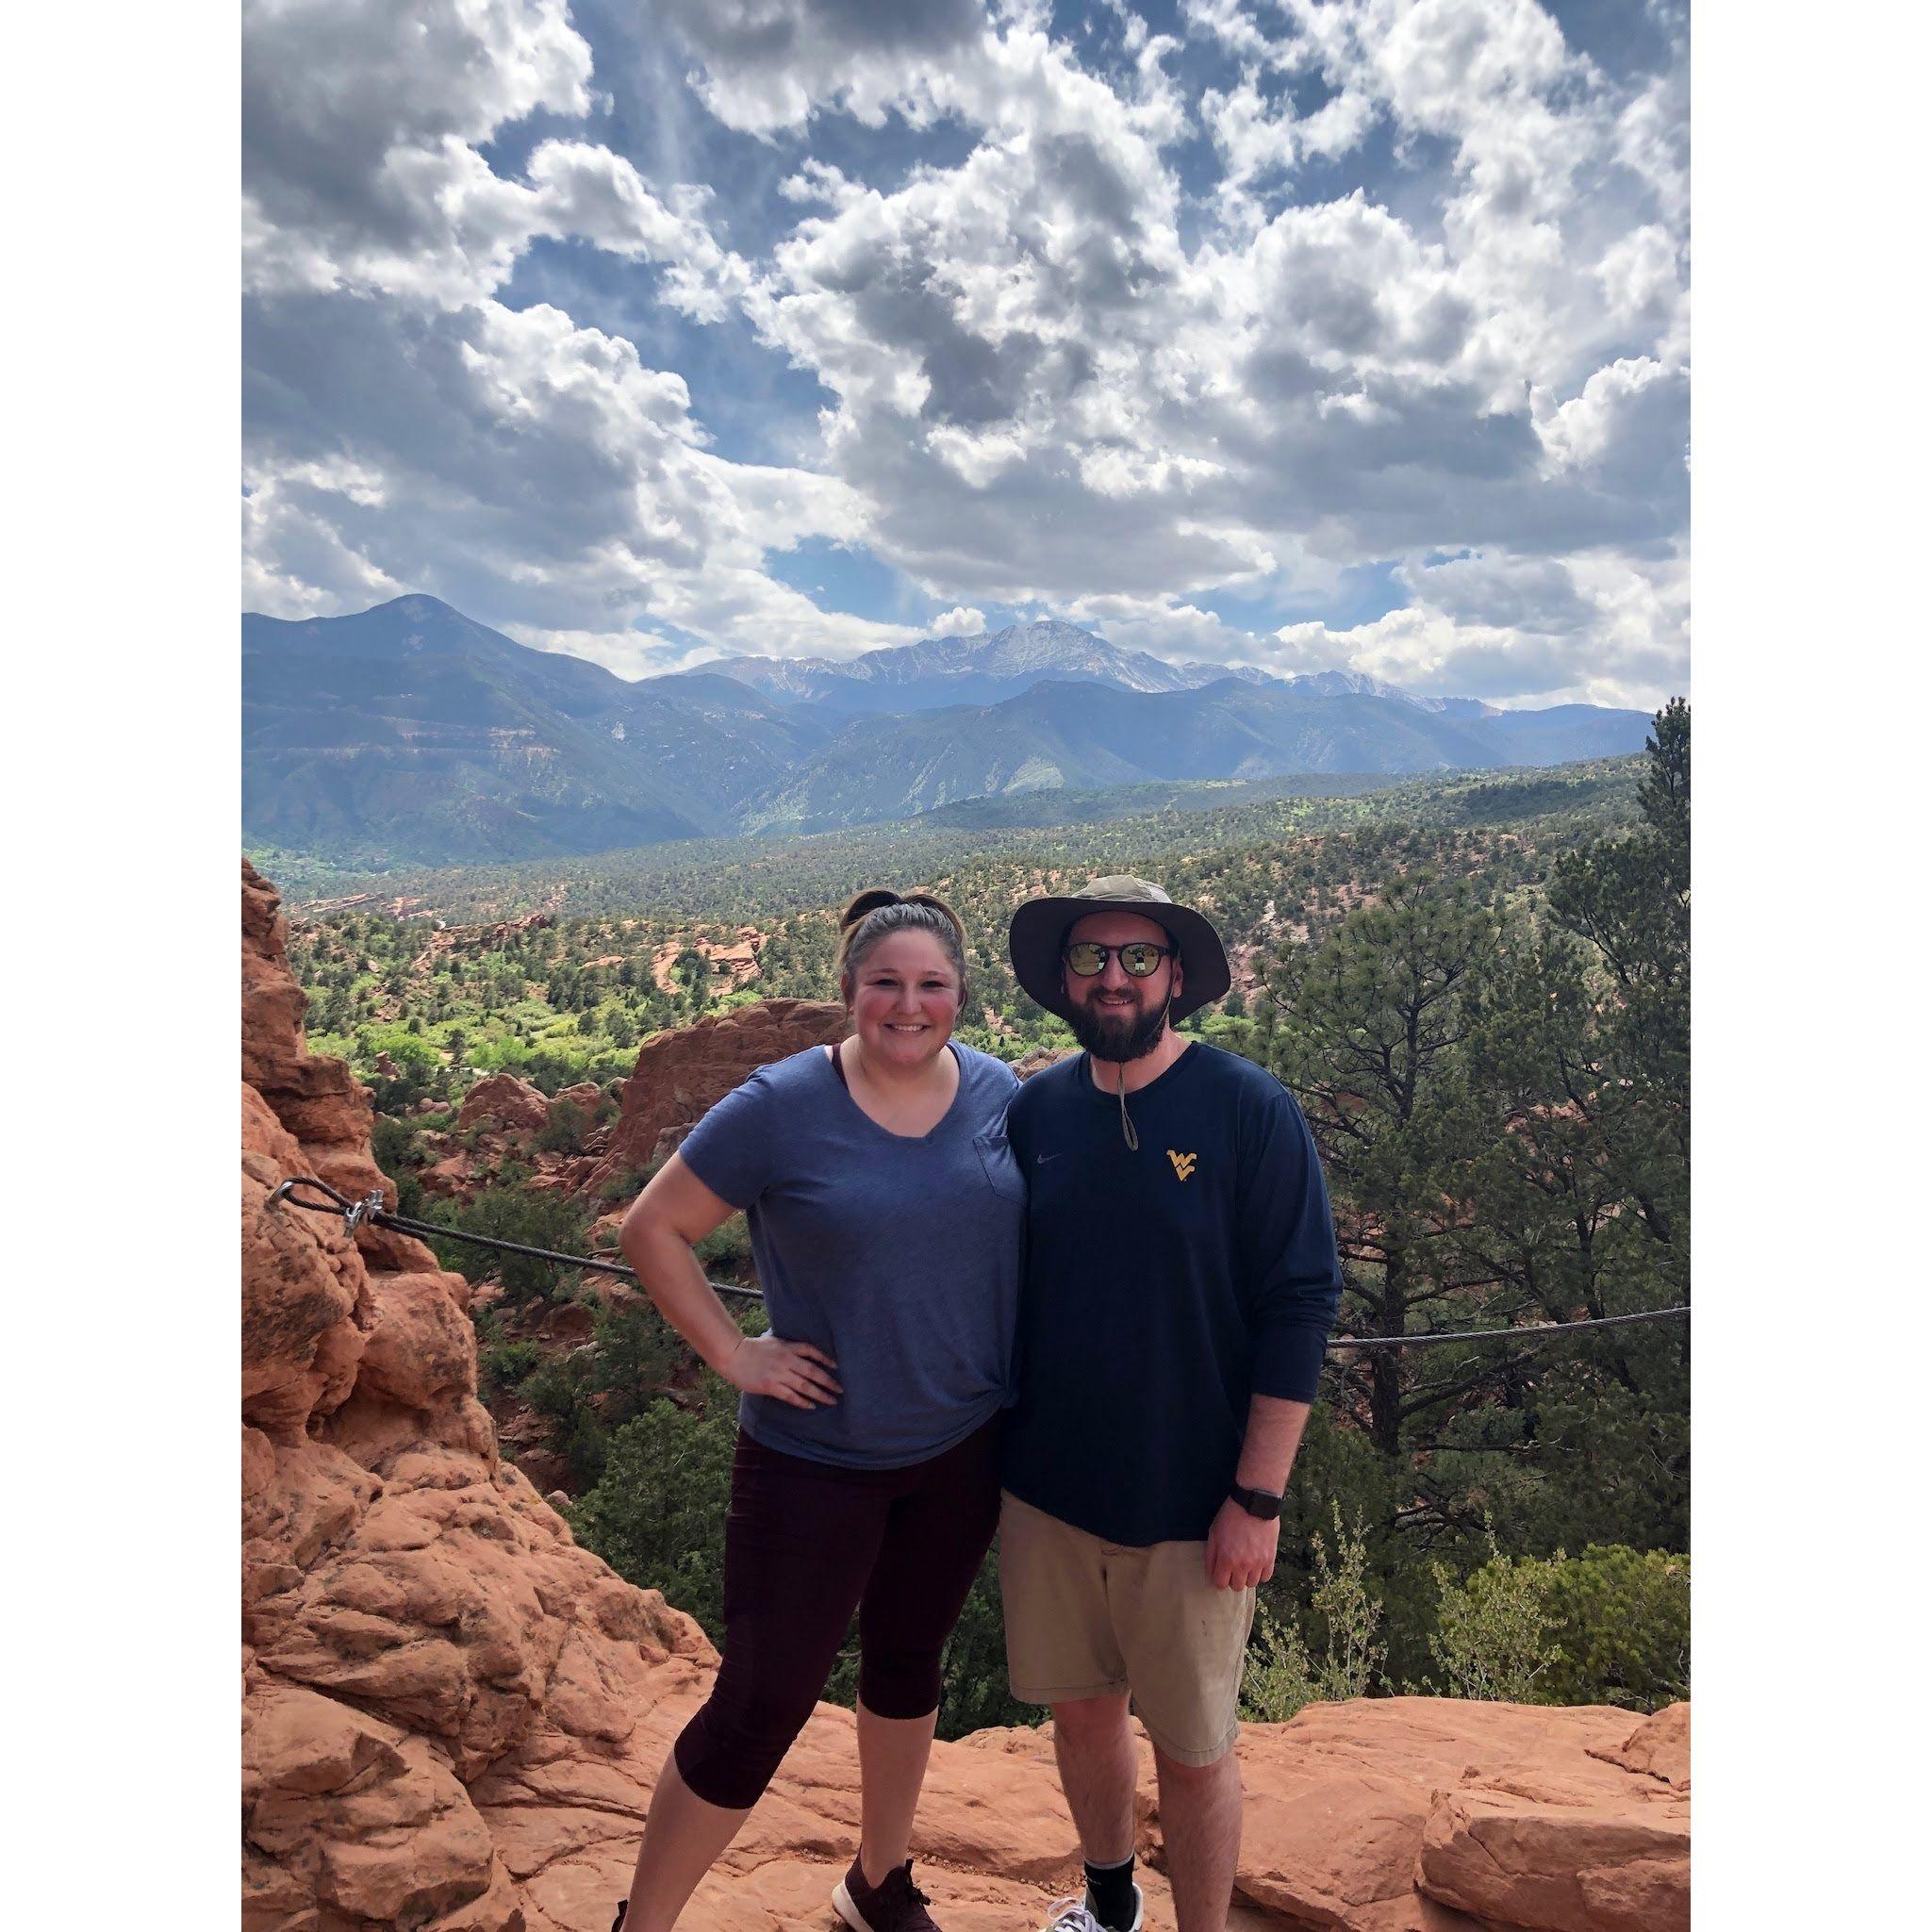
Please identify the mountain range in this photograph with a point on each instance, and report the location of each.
(409, 733)
(938, 672)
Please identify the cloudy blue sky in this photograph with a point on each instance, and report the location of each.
(1299, 333)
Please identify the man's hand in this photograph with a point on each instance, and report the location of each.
(1241, 1548)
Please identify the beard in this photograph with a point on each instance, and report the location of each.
(1116, 1040)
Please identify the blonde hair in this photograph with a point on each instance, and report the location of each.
(875, 915)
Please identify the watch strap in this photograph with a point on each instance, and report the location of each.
(1262, 1503)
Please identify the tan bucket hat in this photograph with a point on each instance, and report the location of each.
(1039, 927)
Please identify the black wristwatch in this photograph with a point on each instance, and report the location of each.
(1264, 1503)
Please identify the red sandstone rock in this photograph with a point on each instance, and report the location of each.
(587, 1097)
(1419, 1814)
(1660, 1745)
(679, 1075)
(414, 1614)
(1557, 1867)
(359, 1822)
(1038, 1059)
(561, 1173)
(503, 1100)
(456, 1174)
(420, 1347)
(317, 1100)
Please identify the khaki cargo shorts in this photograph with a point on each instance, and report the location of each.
(1084, 1618)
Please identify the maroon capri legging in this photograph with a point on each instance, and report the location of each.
(806, 1543)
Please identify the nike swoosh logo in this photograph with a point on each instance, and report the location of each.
(1041, 1159)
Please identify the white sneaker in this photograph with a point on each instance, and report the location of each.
(1077, 1914)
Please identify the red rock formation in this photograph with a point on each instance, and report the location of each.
(587, 1097)
(453, 1716)
(501, 1100)
(319, 1101)
(1422, 1814)
(447, 940)
(414, 1616)
(679, 1075)
(1038, 1059)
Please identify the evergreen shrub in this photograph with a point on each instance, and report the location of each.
(728, 1246)
(656, 1513)
(1621, 1626)
(508, 1213)
(501, 1366)
(564, 1131)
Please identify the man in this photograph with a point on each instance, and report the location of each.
(1182, 1280)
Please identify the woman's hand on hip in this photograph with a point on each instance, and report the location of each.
(793, 1372)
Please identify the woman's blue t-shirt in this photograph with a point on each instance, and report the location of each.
(898, 1256)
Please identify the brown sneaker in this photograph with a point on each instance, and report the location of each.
(894, 1905)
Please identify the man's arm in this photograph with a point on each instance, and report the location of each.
(1287, 1245)
(1241, 1548)
(1274, 1434)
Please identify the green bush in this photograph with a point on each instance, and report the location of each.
(507, 1214)
(656, 1513)
(502, 1365)
(1278, 1676)
(1492, 1634)
(727, 1247)
(557, 1386)
(561, 1389)
(636, 1353)
(564, 1131)
(406, 1049)
(625, 1186)
(1282, 1674)
(396, 1145)
(1610, 1626)
(1621, 1626)
(974, 1695)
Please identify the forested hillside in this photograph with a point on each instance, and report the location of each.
(1477, 989)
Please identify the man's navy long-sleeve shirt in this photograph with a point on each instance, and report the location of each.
(1163, 1287)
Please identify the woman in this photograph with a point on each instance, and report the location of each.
(885, 1212)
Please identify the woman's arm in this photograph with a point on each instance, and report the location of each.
(675, 1212)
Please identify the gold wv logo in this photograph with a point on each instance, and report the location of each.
(1183, 1164)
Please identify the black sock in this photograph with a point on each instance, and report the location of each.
(1111, 1886)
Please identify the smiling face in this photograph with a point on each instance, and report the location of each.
(1116, 1017)
(904, 997)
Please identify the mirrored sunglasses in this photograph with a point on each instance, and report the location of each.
(1088, 957)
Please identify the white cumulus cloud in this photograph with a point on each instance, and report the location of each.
(1073, 331)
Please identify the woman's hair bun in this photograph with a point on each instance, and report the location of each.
(938, 905)
(867, 902)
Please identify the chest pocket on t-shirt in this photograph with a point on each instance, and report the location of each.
(1002, 1167)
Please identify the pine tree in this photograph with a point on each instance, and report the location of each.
(1369, 1036)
